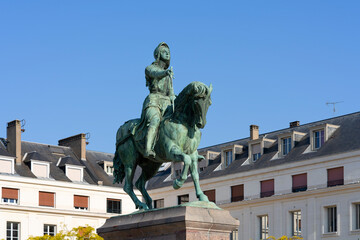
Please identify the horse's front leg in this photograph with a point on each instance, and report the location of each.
(176, 155)
(195, 176)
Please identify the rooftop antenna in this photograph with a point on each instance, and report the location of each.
(333, 103)
(87, 137)
(23, 123)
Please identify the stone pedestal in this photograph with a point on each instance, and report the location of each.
(174, 223)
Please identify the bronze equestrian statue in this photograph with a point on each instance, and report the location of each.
(168, 131)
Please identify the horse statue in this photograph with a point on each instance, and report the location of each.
(178, 139)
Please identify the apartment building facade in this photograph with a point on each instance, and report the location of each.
(47, 188)
(300, 181)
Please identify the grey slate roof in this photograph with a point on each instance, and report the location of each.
(35, 156)
(93, 172)
(345, 139)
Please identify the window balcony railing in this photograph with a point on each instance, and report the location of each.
(299, 188)
(237, 198)
(266, 194)
(335, 182)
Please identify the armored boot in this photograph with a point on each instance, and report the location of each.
(149, 143)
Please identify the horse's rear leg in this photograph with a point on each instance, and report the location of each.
(148, 171)
(129, 188)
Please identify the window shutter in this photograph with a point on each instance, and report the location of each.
(237, 193)
(81, 201)
(267, 188)
(46, 199)
(335, 176)
(299, 180)
(211, 195)
(10, 193)
(256, 148)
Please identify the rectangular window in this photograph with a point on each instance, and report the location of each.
(211, 195)
(109, 170)
(237, 193)
(183, 199)
(335, 176)
(234, 235)
(267, 188)
(331, 219)
(113, 206)
(159, 203)
(357, 216)
(296, 223)
(264, 227)
(256, 151)
(12, 231)
(319, 138)
(46, 199)
(286, 145)
(299, 182)
(81, 202)
(10, 195)
(228, 158)
(49, 230)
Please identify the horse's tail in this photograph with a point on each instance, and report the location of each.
(119, 172)
(122, 136)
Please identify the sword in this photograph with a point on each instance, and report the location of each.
(171, 82)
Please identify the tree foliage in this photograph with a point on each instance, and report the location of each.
(79, 233)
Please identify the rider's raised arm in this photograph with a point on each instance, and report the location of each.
(155, 72)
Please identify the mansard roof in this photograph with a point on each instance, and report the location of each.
(345, 139)
(93, 172)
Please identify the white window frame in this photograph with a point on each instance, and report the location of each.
(12, 160)
(228, 157)
(264, 232)
(108, 165)
(329, 130)
(286, 145)
(295, 229)
(47, 164)
(234, 149)
(12, 230)
(355, 217)
(81, 168)
(329, 219)
(48, 229)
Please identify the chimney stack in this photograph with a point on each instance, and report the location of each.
(14, 140)
(294, 124)
(77, 143)
(254, 132)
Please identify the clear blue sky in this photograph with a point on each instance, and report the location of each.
(78, 66)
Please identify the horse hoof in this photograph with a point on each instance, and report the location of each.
(177, 184)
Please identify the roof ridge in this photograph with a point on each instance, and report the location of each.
(264, 134)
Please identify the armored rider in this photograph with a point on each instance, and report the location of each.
(159, 81)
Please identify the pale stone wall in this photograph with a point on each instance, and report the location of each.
(32, 217)
(278, 208)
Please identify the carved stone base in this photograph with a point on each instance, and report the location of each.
(174, 223)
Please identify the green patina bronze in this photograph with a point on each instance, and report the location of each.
(168, 131)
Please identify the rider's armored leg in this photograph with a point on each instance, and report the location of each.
(151, 134)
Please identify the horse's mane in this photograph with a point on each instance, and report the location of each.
(193, 90)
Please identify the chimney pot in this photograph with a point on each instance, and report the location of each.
(254, 132)
(14, 139)
(294, 124)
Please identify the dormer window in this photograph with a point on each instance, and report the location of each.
(209, 156)
(176, 169)
(73, 169)
(7, 165)
(319, 138)
(228, 158)
(256, 151)
(228, 154)
(286, 145)
(287, 141)
(320, 134)
(109, 170)
(38, 164)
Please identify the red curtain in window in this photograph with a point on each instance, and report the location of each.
(237, 193)
(267, 188)
(299, 181)
(46, 199)
(81, 201)
(11, 193)
(211, 195)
